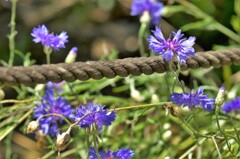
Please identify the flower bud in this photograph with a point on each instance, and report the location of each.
(63, 141)
(71, 57)
(2, 94)
(145, 18)
(155, 99)
(166, 135)
(220, 97)
(32, 127)
(135, 94)
(39, 87)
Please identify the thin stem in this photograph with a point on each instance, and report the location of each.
(191, 149)
(166, 81)
(48, 58)
(176, 74)
(16, 101)
(215, 143)
(140, 106)
(53, 114)
(47, 50)
(13, 33)
(96, 147)
(219, 127)
(141, 33)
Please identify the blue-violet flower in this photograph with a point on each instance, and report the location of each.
(123, 153)
(153, 8)
(97, 115)
(193, 100)
(233, 105)
(170, 48)
(51, 105)
(41, 35)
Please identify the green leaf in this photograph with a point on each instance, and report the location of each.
(206, 24)
(235, 22)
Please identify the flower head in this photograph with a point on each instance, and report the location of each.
(123, 153)
(51, 105)
(233, 105)
(193, 100)
(182, 48)
(154, 9)
(97, 115)
(41, 35)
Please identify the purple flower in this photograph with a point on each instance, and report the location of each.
(170, 48)
(123, 153)
(152, 7)
(60, 40)
(233, 105)
(51, 105)
(98, 115)
(193, 100)
(41, 35)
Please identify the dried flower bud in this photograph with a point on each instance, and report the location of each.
(32, 127)
(220, 97)
(175, 111)
(63, 141)
(2, 94)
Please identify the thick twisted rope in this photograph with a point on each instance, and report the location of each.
(110, 69)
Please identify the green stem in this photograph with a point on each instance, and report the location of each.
(48, 58)
(96, 147)
(141, 106)
(13, 33)
(58, 115)
(219, 127)
(218, 26)
(176, 74)
(141, 33)
(47, 51)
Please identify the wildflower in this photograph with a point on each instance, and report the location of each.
(123, 153)
(233, 105)
(71, 57)
(51, 105)
(152, 8)
(170, 48)
(97, 115)
(193, 100)
(41, 35)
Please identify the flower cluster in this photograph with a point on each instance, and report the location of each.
(170, 48)
(193, 100)
(123, 153)
(41, 35)
(51, 105)
(233, 105)
(95, 114)
(154, 9)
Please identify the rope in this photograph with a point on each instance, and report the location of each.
(110, 69)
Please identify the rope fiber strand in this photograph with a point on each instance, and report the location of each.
(110, 69)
